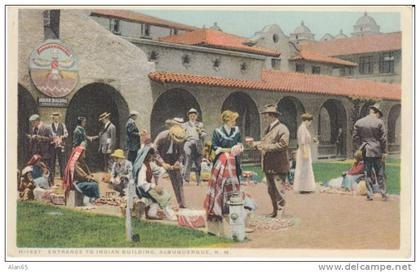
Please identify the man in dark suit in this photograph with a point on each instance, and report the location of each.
(107, 140)
(369, 135)
(133, 137)
(40, 142)
(275, 162)
(60, 134)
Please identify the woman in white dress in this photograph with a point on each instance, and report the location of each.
(304, 181)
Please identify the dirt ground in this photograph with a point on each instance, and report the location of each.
(322, 220)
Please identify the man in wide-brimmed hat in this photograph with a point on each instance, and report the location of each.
(169, 154)
(193, 146)
(107, 139)
(122, 171)
(60, 134)
(275, 162)
(133, 136)
(369, 136)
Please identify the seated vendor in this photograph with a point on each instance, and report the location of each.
(349, 179)
(40, 172)
(26, 185)
(77, 174)
(122, 171)
(147, 173)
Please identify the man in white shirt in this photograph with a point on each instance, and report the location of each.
(193, 146)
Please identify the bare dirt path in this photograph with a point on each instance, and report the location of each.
(323, 220)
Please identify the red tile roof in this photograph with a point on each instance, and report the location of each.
(356, 45)
(141, 18)
(280, 81)
(217, 39)
(316, 57)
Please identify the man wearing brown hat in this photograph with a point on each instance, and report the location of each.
(107, 139)
(169, 145)
(369, 136)
(60, 134)
(275, 163)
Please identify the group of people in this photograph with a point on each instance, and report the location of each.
(179, 147)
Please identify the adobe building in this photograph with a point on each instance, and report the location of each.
(166, 70)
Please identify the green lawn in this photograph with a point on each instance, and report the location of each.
(42, 225)
(331, 169)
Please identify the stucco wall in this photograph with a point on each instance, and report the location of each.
(102, 58)
(201, 63)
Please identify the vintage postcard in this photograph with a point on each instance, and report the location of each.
(265, 133)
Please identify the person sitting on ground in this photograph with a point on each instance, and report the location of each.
(122, 171)
(40, 171)
(147, 173)
(78, 176)
(26, 185)
(349, 179)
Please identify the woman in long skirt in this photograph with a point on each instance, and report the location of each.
(304, 181)
(224, 181)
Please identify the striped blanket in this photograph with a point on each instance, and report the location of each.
(222, 185)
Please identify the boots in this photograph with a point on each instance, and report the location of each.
(275, 209)
(198, 178)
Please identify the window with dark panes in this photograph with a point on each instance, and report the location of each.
(51, 24)
(366, 65)
(115, 26)
(386, 63)
(316, 70)
(300, 67)
(146, 30)
(275, 63)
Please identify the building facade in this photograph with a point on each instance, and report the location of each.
(163, 77)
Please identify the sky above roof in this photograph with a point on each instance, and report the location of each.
(246, 23)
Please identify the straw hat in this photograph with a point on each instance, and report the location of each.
(134, 113)
(55, 114)
(192, 110)
(34, 117)
(270, 108)
(177, 133)
(175, 121)
(118, 153)
(103, 116)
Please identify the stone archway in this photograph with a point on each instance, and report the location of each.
(170, 104)
(90, 101)
(290, 109)
(332, 116)
(394, 125)
(249, 117)
(26, 107)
